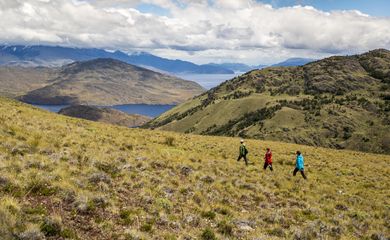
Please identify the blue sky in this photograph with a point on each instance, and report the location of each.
(152, 8)
(372, 7)
(378, 8)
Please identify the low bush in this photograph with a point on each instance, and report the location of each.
(208, 234)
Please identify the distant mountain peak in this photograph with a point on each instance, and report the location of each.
(98, 63)
(140, 53)
(41, 55)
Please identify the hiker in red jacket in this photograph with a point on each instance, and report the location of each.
(268, 160)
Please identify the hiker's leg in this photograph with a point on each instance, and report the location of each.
(303, 174)
(246, 160)
(295, 171)
(265, 166)
(239, 157)
(270, 167)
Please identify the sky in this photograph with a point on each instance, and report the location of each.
(202, 31)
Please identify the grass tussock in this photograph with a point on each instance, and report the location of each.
(64, 178)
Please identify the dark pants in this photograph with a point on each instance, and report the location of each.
(245, 159)
(302, 172)
(268, 164)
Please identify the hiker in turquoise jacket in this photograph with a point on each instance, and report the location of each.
(243, 152)
(299, 165)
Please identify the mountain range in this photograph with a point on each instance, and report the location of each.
(100, 81)
(339, 102)
(57, 56)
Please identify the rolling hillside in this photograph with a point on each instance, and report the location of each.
(338, 102)
(95, 82)
(16, 81)
(66, 178)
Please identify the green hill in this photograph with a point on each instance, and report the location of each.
(337, 102)
(67, 178)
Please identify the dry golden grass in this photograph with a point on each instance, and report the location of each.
(67, 178)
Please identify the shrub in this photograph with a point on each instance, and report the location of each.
(108, 167)
(68, 234)
(96, 178)
(208, 214)
(223, 211)
(8, 221)
(164, 204)
(84, 205)
(147, 227)
(208, 234)
(170, 141)
(126, 216)
(225, 228)
(40, 186)
(347, 132)
(52, 226)
(32, 232)
(38, 210)
(277, 232)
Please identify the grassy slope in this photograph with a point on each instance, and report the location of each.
(85, 180)
(338, 102)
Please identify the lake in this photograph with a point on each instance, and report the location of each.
(208, 81)
(143, 109)
(205, 80)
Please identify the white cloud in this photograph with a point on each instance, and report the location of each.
(196, 30)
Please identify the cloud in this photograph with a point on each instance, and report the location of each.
(196, 29)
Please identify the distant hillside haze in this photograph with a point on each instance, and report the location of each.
(292, 62)
(238, 67)
(101, 81)
(58, 56)
(340, 102)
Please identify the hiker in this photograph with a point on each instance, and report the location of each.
(243, 152)
(268, 160)
(299, 165)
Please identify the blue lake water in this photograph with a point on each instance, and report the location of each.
(143, 109)
(51, 108)
(208, 80)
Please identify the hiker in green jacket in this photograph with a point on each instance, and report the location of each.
(243, 152)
